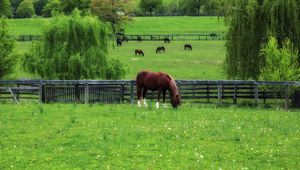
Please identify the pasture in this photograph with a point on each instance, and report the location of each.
(204, 62)
(138, 25)
(71, 136)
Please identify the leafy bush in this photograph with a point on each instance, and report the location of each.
(281, 64)
(73, 47)
(7, 43)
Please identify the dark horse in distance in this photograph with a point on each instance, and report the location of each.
(188, 47)
(167, 40)
(146, 80)
(160, 49)
(138, 52)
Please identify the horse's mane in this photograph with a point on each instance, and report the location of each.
(173, 86)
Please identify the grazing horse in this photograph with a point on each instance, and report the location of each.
(139, 38)
(139, 52)
(187, 47)
(213, 35)
(160, 49)
(119, 41)
(167, 40)
(146, 80)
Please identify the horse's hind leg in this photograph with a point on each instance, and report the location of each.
(164, 99)
(144, 97)
(139, 95)
(158, 97)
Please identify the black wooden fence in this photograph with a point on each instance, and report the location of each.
(92, 91)
(150, 37)
(176, 37)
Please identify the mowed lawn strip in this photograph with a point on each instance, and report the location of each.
(64, 136)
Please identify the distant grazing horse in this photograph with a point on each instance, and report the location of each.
(213, 35)
(125, 39)
(139, 38)
(119, 41)
(146, 80)
(160, 49)
(187, 47)
(167, 40)
(139, 52)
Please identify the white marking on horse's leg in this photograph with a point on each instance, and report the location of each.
(139, 103)
(165, 106)
(145, 103)
(157, 105)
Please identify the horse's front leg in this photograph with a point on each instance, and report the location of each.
(144, 96)
(158, 97)
(139, 95)
(164, 99)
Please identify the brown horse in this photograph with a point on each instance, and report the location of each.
(167, 40)
(160, 49)
(188, 46)
(146, 80)
(139, 52)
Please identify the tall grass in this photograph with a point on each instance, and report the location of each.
(126, 137)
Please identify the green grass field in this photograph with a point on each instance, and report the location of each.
(138, 25)
(203, 62)
(175, 25)
(60, 136)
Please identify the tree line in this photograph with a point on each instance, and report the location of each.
(30, 8)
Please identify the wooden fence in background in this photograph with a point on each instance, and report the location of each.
(94, 91)
(175, 37)
(149, 37)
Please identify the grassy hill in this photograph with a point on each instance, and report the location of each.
(138, 25)
(204, 62)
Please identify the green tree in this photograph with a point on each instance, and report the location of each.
(192, 7)
(113, 11)
(67, 6)
(250, 22)
(14, 5)
(50, 6)
(5, 8)
(150, 5)
(39, 5)
(281, 62)
(7, 43)
(25, 9)
(74, 47)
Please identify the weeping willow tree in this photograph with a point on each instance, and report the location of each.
(74, 47)
(244, 39)
(250, 22)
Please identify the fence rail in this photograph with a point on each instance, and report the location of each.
(122, 91)
(175, 37)
(149, 37)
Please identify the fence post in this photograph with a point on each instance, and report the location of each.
(42, 92)
(256, 94)
(122, 93)
(77, 92)
(287, 89)
(219, 93)
(131, 92)
(17, 91)
(86, 93)
(235, 94)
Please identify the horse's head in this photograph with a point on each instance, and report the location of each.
(175, 96)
